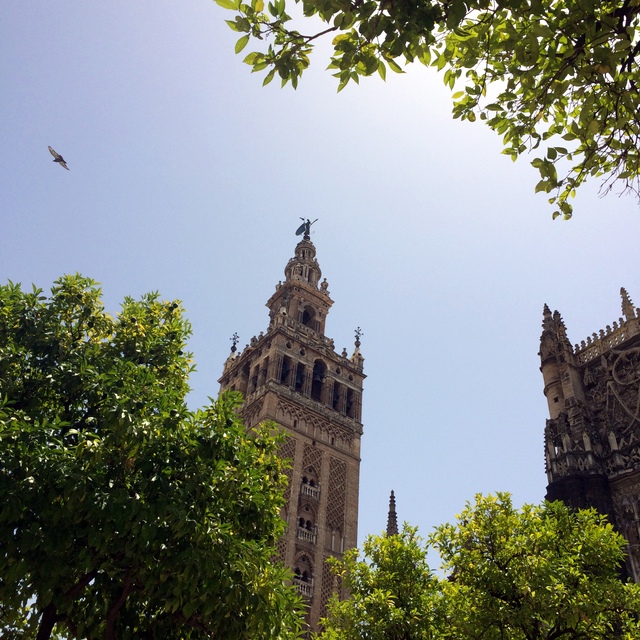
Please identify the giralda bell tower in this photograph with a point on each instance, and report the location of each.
(292, 375)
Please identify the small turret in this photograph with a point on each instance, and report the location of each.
(392, 518)
(357, 358)
(549, 365)
(558, 363)
(628, 310)
(548, 337)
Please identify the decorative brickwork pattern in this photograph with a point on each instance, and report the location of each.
(330, 584)
(312, 458)
(251, 413)
(288, 451)
(313, 421)
(281, 551)
(337, 493)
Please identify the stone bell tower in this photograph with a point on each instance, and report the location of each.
(592, 439)
(292, 375)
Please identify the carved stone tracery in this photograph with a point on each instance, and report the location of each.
(592, 440)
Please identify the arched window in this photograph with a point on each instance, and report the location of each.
(285, 372)
(310, 486)
(317, 384)
(299, 386)
(353, 408)
(244, 378)
(264, 370)
(303, 576)
(303, 569)
(337, 393)
(253, 383)
(308, 317)
(306, 524)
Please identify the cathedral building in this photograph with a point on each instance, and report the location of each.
(292, 375)
(592, 439)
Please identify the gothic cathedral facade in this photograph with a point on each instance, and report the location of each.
(292, 375)
(592, 439)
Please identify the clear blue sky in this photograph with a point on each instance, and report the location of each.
(187, 177)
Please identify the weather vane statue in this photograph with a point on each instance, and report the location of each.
(305, 228)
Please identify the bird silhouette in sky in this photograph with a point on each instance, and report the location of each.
(58, 158)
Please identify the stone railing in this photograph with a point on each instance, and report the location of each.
(306, 535)
(599, 343)
(298, 330)
(312, 492)
(303, 588)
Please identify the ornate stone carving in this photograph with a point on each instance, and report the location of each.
(287, 451)
(313, 421)
(250, 413)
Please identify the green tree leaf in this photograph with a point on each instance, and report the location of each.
(234, 5)
(242, 43)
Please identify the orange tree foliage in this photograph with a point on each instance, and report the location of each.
(123, 514)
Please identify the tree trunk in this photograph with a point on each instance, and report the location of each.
(114, 609)
(47, 622)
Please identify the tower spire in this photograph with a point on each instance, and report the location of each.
(302, 299)
(392, 518)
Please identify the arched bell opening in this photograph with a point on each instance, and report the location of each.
(285, 371)
(318, 378)
(308, 317)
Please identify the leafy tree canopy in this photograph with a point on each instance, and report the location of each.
(559, 77)
(123, 514)
(539, 573)
(393, 593)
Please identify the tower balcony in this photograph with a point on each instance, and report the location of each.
(310, 491)
(306, 535)
(303, 587)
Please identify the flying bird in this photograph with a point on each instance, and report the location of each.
(58, 158)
